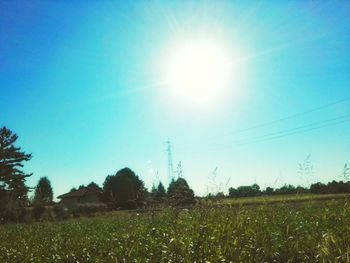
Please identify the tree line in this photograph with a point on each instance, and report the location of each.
(123, 190)
(333, 187)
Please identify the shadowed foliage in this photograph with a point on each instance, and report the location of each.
(179, 193)
(43, 191)
(94, 186)
(13, 191)
(124, 189)
(12, 178)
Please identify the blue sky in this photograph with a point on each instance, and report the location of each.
(80, 83)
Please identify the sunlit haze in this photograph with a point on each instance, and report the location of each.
(198, 71)
(244, 91)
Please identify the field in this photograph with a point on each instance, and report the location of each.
(308, 231)
(292, 198)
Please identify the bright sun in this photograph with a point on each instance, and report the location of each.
(198, 72)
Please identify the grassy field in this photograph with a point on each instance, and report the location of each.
(312, 231)
(292, 198)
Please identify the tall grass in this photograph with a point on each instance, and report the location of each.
(282, 232)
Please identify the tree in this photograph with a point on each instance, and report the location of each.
(43, 191)
(154, 190)
(161, 193)
(269, 191)
(179, 193)
(12, 178)
(94, 186)
(286, 189)
(124, 189)
(158, 192)
(255, 189)
(233, 192)
(245, 191)
(318, 188)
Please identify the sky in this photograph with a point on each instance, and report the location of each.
(84, 85)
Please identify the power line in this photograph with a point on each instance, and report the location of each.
(290, 132)
(291, 116)
(299, 128)
(298, 132)
(269, 123)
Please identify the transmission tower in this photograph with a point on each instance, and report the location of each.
(170, 161)
(179, 170)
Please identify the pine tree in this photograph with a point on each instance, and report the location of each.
(154, 190)
(43, 191)
(161, 190)
(12, 178)
(179, 193)
(94, 186)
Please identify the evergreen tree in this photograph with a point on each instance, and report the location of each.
(154, 191)
(43, 191)
(12, 178)
(94, 186)
(179, 193)
(161, 190)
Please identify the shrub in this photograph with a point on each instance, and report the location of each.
(180, 194)
(38, 210)
(61, 213)
(90, 208)
(130, 204)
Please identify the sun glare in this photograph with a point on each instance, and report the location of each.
(198, 72)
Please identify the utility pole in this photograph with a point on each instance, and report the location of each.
(170, 161)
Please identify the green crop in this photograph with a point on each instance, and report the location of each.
(282, 232)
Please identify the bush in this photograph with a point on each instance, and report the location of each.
(11, 211)
(180, 194)
(61, 213)
(90, 208)
(130, 204)
(13, 214)
(38, 210)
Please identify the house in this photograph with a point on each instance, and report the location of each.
(86, 195)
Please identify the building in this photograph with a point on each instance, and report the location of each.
(86, 195)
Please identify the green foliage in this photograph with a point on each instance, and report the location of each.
(38, 210)
(124, 188)
(316, 188)
(12, 178)
(94, 186)
(60, 212)
(286, 189)
(11, 211)
(159, 192)
(43, 191)
(308, 232)
(179, 193)
(331, 188)
(91, 208)
(245, 191)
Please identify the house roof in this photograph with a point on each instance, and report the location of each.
(80, 192)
